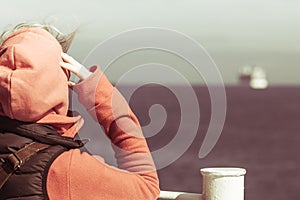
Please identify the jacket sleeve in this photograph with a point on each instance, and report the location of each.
(136, 176)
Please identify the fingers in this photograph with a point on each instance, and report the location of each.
(68, 66)
(77, 70)
(69, 59)
(71, 84)
(72, 65)
(65, 65)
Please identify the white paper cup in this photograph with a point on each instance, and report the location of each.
(223, 183)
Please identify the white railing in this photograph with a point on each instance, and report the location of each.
(218, 184)
(168, 195)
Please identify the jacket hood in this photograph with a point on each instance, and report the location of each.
(33, 86)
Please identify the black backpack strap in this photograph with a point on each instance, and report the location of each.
(16, 159)
(39, 132)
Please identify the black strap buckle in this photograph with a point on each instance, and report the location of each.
(14, 160)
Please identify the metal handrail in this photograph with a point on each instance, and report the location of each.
(169, 195)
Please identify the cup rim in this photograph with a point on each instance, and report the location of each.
(223, 171)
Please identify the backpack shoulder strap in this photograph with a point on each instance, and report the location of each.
(39, 132)
(15, 160)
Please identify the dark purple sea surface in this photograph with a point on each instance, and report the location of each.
(261, 134)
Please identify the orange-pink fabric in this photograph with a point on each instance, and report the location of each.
(33, 88)
(75, 175)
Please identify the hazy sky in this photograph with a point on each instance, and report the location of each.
(234, 32)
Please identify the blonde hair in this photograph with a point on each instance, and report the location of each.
(64, 40)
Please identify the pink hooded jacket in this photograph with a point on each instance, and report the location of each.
(33, 88)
